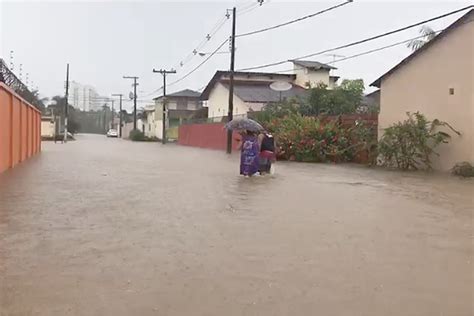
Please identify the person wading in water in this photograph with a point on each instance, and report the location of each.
(267, 152)
(249, 153)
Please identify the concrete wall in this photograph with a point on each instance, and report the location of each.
(128, 127)
(218, 102)
(48, 127)
(424, 83)
(20, 129)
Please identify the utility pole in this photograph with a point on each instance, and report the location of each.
(135, 84)
(112, 124)
(230, 114)
(164, 73)
(120, 113)
(66, 101)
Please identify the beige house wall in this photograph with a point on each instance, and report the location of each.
(218, 102)
(424, 83)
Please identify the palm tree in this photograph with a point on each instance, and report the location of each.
(427, 34)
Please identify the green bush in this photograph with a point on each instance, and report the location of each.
(411, 144)
(137, 136)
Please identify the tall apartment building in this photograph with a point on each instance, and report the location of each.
(83, 97)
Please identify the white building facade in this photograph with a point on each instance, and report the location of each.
(83, 97)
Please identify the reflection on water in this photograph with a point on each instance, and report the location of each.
(153, 230)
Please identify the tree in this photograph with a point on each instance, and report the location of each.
(427, 34)
(343, 99)
(58, 106)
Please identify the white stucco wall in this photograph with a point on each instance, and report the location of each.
(304, 75)
(423, 85)
(154, 123)
(218, 102)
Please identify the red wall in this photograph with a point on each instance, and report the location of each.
(212, 136)
(20, 124)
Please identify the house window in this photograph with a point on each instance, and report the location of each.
(451, 91)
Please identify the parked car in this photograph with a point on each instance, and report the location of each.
(112, 133)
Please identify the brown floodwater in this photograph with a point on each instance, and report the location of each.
(110, 227)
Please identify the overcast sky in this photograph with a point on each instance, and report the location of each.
(105, 40)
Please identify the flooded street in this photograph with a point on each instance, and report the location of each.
(110, 227)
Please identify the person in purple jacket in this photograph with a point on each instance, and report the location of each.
(249, 153)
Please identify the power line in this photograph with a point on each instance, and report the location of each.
(295, 20)
(199, 66)
(249, 9)
(216, 28)
(361, 41)
(374, 50)
(365, 52)
(390, 46)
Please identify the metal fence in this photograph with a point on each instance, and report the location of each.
(11, 80)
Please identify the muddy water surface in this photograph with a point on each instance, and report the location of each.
(108, 227)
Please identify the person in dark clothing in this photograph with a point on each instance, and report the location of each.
(267, 152)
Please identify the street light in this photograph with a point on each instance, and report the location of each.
(202, 54)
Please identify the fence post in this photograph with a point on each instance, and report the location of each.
(10, 154)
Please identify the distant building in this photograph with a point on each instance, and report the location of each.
(437, 80)
(313, 73)
(83, 97)
(252, 89)
(180, 106)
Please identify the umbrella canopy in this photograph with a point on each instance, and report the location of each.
(244, 124)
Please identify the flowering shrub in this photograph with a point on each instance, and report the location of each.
(311, 139)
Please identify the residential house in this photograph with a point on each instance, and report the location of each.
(180, 106)
(153, 121)
(313, 73)
(438, 81)
(252, 89)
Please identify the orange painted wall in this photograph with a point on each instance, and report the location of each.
(20, 135)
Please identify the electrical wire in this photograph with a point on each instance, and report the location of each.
(200, 65)
(248, 10)
(295, 20)
(216, 28)
(361, 41)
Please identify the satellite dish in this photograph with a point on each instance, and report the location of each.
(131, 95)
(280, 86)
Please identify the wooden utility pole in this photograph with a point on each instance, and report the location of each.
(164, 73)
(120, 113)
(112, 124)
(66, 104)
(135, 84)
(230, 114)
